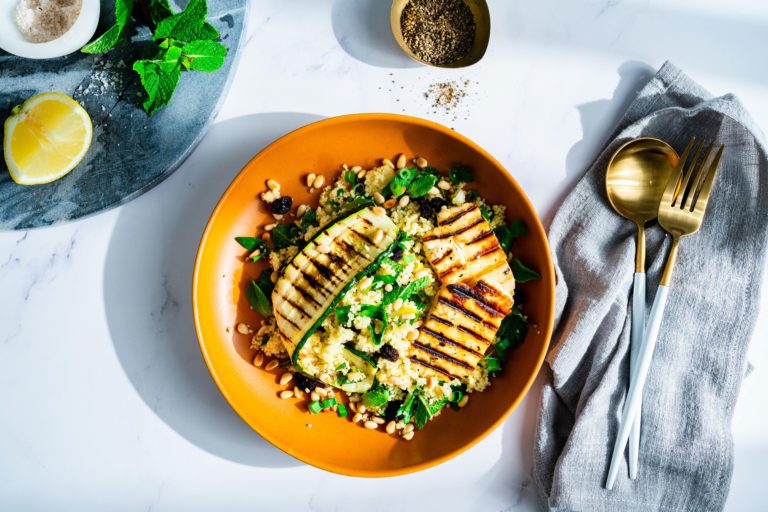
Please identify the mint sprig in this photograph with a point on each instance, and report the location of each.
(185, 41)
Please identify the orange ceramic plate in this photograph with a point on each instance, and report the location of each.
(333, 443)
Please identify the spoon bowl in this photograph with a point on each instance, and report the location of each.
(482, 17)
(636, 177)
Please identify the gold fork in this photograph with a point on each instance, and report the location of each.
(681, 211)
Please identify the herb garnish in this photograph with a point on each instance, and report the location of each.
(185, 40)
(522, 273)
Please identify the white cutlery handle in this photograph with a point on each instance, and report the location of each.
(635, 341)
(634, 395)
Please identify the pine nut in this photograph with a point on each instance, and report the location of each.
(391, 427)
(286, 394)
(378, 197)
(277, 216)
(422, 273)
(267, 196)
(420, 162)
(297, 392)
(400, 424)
(378, 210)
(345, 167)
(258, 359)
(356, 168)
(397, 304)
(270, 227)
(301, 210)
(464, 401)
(387, 162)
(353, 406)
(320, 391)
(319, 182)
(401, 161)
(371, 425)
(403, 202)
(378, 237)
(361, 174)
(314, 397)
(408, 428)
(357, 417)
(389, 203)
(311, 177)
(367, 282)
(361, 409)
(275, 194)
(378, 420)
(408, 435)
(243, 328)
(443, 185)
(274, 363)
(273, 185)
(388, 287)
(434, 191)
(286, 378)
(413, 335)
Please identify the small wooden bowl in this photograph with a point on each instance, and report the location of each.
(482, 17)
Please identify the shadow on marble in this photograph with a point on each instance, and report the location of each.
(517, 448)
(147, 284)
(598, 121)
(362, 29)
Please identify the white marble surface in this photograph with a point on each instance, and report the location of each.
(104, 399)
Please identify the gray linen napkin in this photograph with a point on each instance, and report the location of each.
(686, 455)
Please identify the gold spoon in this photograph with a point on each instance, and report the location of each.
(635, 180)
(482, 17)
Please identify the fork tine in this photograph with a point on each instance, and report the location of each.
(706, 186)
(689, 170)
(670, 192)
(698, 176)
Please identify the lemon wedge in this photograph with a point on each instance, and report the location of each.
(45, 138)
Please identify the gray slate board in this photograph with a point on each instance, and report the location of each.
(131, 152)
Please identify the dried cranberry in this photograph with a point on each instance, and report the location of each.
(281, 205)
(397, 253)
(390, 413)
(428, 208)
(390, 353)
(305, 383)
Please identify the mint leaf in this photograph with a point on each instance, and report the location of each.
(159, 79)
(188, 25)
(285, 235)
(460, 174)
(205, 56)
(159, 10)
(421, 185)
(258, 299)
(114, 34)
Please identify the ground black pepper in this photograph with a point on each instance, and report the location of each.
(438, 31)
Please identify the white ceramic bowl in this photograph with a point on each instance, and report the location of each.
(12, 40)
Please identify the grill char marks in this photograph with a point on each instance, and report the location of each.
(476, 296)
(319, 272)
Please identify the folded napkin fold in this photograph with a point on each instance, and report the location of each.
(686, 454)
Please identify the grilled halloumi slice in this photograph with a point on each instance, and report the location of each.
(316, 275)
(459, 329)
(476, 296)
(463, 247)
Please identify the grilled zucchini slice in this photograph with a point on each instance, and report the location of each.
(318, 273)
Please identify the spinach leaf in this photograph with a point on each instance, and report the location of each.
(342, 314)
(265, 282)
(308, 220)
(460, 174)
(512, 331)
(285, 235)
(258, 299)
(487, 212)
(252, 244)
(405, 411)
(522, 273)
(350, 177)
